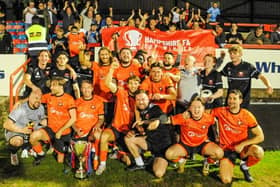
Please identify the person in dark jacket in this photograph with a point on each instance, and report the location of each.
(6, 42)
(68, 14)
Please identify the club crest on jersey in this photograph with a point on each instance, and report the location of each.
(92, 107)
(240, 74)
(239, 122)
(37, 75)
(203, 127)
(60, 104)
(210, 82)
(147, 116)
(160, 88)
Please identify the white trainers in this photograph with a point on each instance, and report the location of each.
(14, 159)
(24, 153)
(32, 153)
(101, 169)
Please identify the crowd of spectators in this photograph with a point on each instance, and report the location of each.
(89, 20)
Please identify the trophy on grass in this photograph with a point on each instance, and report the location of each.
(79, 149)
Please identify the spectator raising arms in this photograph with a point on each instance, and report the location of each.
(87, 15)
(196, 17)
(68, 14)
(28, 13)
(214, 12)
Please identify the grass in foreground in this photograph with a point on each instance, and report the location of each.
(49, 173)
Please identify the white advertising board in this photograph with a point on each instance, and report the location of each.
(8, 64)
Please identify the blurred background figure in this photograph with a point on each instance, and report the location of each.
(275, 36)
(6, 42)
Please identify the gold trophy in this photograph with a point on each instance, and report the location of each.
(79, 149)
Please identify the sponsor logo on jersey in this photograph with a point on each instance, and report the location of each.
(85, 115)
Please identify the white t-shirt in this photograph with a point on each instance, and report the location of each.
(176, 17)
(28, 15)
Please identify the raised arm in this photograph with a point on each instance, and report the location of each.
(142, 24)
(96, 6)
(191, 19)
(140, 13)
(74, 7)
(109, 78)
(111, 12)
(200, 17)
(132, 14)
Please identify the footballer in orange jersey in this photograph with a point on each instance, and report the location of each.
(194, 126)
(90, 111)
(160, 88)
(90, 120)
(168, 68)
(234, 124)
(61, 116)
(124, 115)
(126, 68)
(100, 70)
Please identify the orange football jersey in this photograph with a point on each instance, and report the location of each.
(88, 112)
(124, 110)
(233, 128)
(58, 110)
(193, 132)
(160, 87)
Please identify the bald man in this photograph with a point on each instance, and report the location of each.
(22, 121)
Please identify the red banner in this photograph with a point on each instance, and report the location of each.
(196, 43)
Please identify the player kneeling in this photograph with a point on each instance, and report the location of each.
(194, 126)
(61, 116)
(234, 123)
(151, 134)
(27, 117)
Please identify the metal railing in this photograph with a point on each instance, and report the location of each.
(14, 99)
